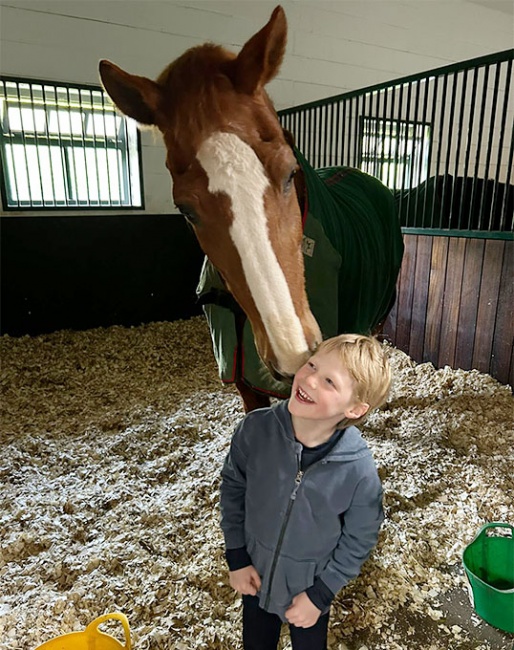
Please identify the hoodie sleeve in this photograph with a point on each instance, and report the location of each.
(232, 499)
(237, 558)
(359, 535)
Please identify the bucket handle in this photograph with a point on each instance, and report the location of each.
(116, 615)
(494, 524)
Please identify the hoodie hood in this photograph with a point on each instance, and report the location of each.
(350, 446)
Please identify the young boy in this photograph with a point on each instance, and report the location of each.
(301, 500)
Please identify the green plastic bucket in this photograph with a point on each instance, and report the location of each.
(489, 565)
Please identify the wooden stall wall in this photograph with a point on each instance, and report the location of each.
(455, 304)
(95, 271)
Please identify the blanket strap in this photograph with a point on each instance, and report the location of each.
(221, 299)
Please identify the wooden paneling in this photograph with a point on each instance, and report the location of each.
(488, 304)
(420, 298)
(436, 279)
(405, 296)
(451, 301)
(95, 271)
(504, 329)
(470, 295)
(455, 304)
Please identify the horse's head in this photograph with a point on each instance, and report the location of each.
(232, 173)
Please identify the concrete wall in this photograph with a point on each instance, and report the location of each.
(333, 46)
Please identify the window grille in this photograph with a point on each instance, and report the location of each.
(395, 152)
(65, 146)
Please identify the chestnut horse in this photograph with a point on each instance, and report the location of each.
(233, 173)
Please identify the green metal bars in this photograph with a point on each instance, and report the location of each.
(442, 140)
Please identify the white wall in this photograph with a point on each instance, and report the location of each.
(333, 46)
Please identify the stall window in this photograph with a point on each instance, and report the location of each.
(64, 146)
(395, 151)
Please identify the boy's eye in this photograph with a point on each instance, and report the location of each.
(310, 364)
(329, 381)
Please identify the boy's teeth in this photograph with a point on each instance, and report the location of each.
(304, 396)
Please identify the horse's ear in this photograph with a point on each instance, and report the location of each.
(137, 97)
(260, 59)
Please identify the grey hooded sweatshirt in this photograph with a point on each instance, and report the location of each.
(298, 526)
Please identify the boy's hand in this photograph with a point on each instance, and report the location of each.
(245, 581)
(302, 612)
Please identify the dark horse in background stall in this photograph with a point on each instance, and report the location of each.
(274, 230)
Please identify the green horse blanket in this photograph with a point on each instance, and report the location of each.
(353, 249)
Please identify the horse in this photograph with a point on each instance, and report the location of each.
(259, 212)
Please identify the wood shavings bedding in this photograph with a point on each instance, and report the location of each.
(112, 444)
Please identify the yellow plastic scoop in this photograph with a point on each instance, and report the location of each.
(91, 638)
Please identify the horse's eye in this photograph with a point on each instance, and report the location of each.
(188, 213)
(289, 182)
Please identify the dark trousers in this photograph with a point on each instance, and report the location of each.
(261, 630)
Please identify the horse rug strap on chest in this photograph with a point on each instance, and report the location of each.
(353, 249)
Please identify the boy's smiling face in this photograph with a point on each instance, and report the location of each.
(323, 390)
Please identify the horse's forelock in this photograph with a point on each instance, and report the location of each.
(196, 68)
(194, 88)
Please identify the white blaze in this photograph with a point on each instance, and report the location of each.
(234, 169)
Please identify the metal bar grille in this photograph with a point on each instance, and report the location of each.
(443, 141)
(64, 146)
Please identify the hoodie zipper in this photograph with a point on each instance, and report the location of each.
(297, 482)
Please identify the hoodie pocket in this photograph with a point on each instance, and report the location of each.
(286, 579)
(298, 575)
(261, 560)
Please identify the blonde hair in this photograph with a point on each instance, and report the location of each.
(364, 358)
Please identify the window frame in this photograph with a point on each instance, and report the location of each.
(70, 145)
(422, 144)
